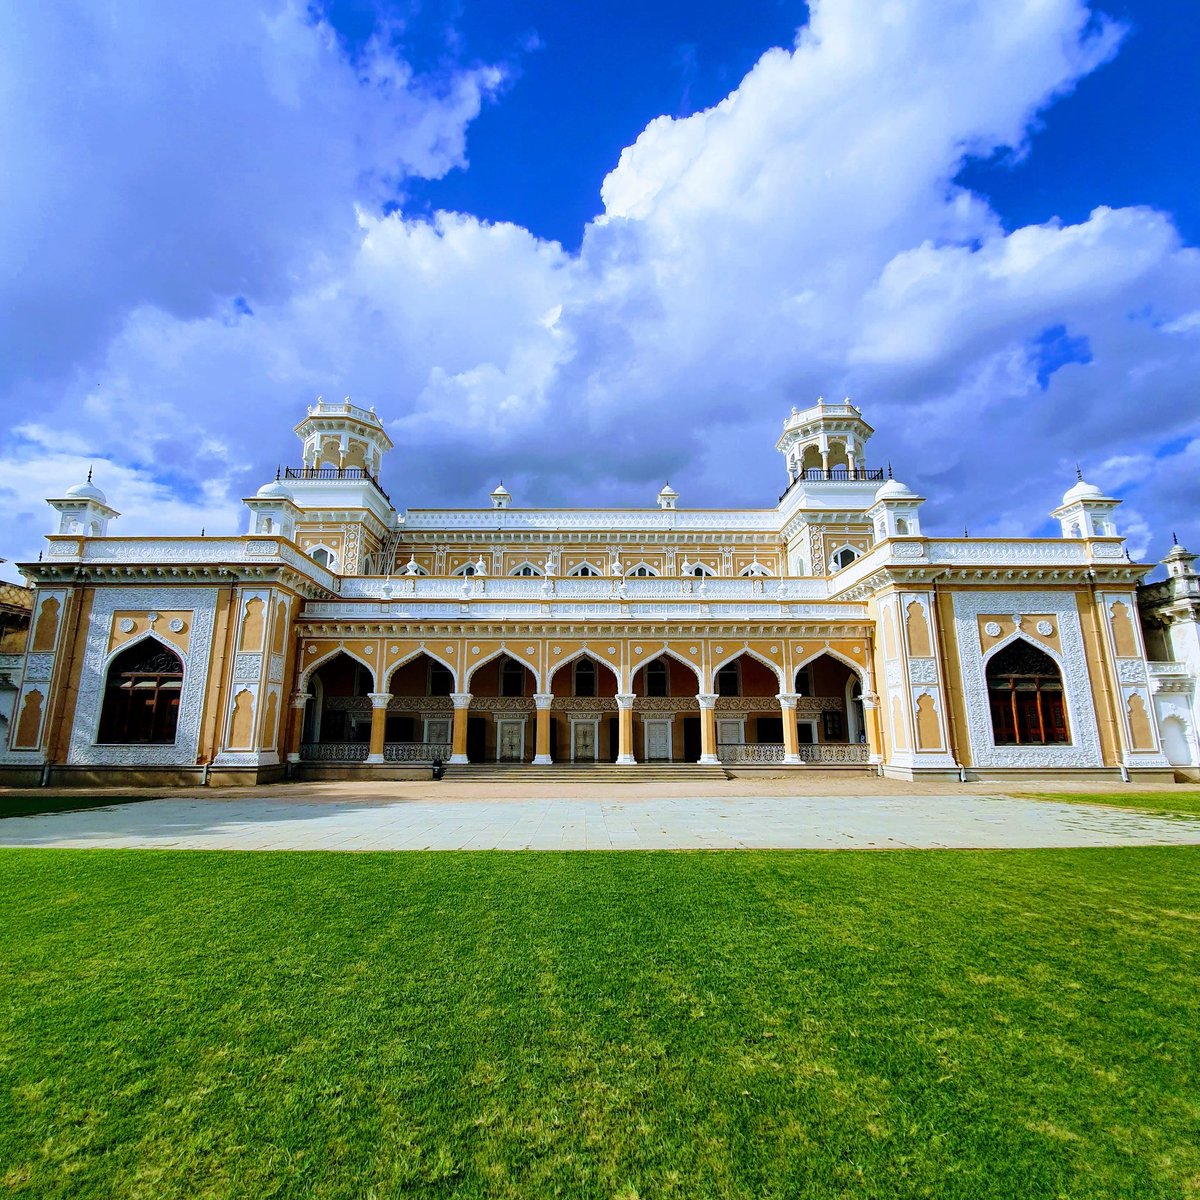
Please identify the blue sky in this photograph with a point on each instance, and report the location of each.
(586, 247)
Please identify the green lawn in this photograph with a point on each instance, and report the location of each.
(1013, 1024)
(1181, 800)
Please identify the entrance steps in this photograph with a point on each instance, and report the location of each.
(585, 773)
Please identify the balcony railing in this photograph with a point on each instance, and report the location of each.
(350, 752)
(335, 473)
(748, 752)
(836, 475)
(836, 752)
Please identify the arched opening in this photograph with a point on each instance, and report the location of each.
(527, 570)
(503, 728)
(830, 724)
(844, 557)
(585, 571)
(420, 712)
(748, 714)
(641, 571)
(665, 722)
(812, 460)
(838, 458)
(1176, 743)
(585, 706)
(141, 695)
(755, 571)
(337, 720)
(901, 525)
(1025, 695)
(701, 571)
(324, 557)
(466, 569)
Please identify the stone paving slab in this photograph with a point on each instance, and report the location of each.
(590, 823)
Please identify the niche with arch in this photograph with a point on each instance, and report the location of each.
(141, 695)
(1025, 695)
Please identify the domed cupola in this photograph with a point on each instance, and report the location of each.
(895, 510)
(668, 497)
(83, 509)
(273, 510)
(1086, 511)
(501, 496)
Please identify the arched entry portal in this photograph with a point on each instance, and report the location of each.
(584, 691)
(337, 720)
(420, 711)
(665, 722)
(830, 722)
(501, 726)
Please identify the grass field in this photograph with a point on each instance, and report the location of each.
(1181, 800)
(1011, 1024)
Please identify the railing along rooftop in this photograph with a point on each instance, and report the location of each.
(335, 474)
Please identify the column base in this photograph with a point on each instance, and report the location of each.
(376, 758)
(626, 760)
(293, 758)
(709, 760)
(792, 760)
(539, 760)
(458, 760)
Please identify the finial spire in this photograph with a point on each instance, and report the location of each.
(889, 470)
(1174, 539)
(89, 473)
(1078, 473)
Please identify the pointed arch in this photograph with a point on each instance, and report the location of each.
(407, 658)
(774, 668)
(838, 558)
(141, 704)
(322, 659)
(641, 570)
(528, 570)
(487, 658)
(586, 570)
(582, 652)
(857, 668)
(667, 651)
(1027, 694)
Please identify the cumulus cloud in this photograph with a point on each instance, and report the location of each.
(807, 235)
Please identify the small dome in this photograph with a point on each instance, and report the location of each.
(274, 490)
(893, 489)
(668, 490)
(1083, 491)
(87, 491)
(501, 490)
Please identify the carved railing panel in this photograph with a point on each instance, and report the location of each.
(747, 752)
(835, 752)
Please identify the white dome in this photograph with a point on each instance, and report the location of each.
(501, 490)
(893, 489)
(668, 490)
(87, 491)
(274, 490)
(1083, 491)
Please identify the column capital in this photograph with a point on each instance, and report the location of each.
(625, 699)
(543, 699)
(461, 699)
(869, 700)
(380, 699)
(300, 699)
(788, 699)
(707, 700)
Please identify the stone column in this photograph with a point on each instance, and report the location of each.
(625, 730)
(379, 704)
(458, 737)
(708, 728)
(298, 704)
(791, 742)
(541, 744)
(870, 703)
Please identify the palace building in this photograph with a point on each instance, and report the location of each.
(339, 636)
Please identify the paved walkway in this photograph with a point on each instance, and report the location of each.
(590, 823)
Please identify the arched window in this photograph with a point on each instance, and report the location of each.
(141, 695)
(584, 571)
(466, 569)
(641, 571)
(527, 569)
(901, 525)
(1025, 693)
(755, 571)
(325, 557)
(844, 557)
(441, 681)
(657, 678)
(512, 678)
(729, 681)
(585, 677)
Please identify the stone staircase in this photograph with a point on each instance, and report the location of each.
(585, 773)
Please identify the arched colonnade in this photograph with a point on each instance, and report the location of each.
(660, 703)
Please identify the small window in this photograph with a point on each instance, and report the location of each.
(527, 570)
(585, 677)
(325, 558)
(441, 681)
(901, 525)
(584, 571)
(657, 678)
(700, 571)
(729, 680)
(512, 678)
(844, 557)
(466, 569)
(755, 571)
(641, 571)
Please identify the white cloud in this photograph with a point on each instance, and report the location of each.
(806, 235)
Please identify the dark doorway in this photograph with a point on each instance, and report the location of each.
(477, 739)
(691, 739)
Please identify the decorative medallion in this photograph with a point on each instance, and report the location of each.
(719, 649)
(774, 649)
(152, 617)
(368, 649)
(992, 629)
(636, 650)
(449, 649)
(557, 649)
(856, 650)
(612, 649)
(175, 624)
(393, 649)
(529, 650)
(127, 625)
(1017, 619)
(693, 649)
(1044, 628)
(312, 649)
(474, 649)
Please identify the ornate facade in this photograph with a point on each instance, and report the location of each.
(338, 634)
